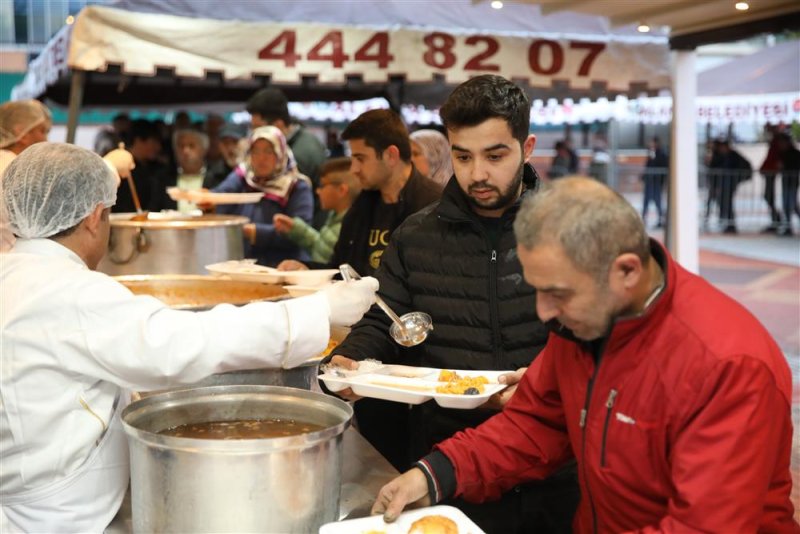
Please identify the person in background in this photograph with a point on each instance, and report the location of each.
(674, 400)
(730, 169)
(229, 147)
(391, 190)
(561, 162)
(108, 139)
(337, 190)
(770, 168)
(655, 173)
(24, 123)
(75, 340)
(456, 260)
(574, 159)
(790, 175)
(213, 124)
(270, 107)
(190, 147)
(150, 176)
(270, 168)
(430, 153)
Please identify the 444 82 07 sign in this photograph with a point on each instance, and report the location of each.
(332, 54)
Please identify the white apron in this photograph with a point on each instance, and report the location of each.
(86, 500)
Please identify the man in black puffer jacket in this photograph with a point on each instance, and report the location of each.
(457, 261)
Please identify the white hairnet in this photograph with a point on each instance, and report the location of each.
(50, 187)
(20, 117)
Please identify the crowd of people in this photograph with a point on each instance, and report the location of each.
(639, 397)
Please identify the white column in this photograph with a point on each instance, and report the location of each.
(683, 230)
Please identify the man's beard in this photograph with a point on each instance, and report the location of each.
(505, 199)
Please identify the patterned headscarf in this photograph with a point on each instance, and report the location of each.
(279, 184)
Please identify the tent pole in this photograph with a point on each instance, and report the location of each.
(75, 101)
(682, 238)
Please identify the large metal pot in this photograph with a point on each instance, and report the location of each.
(168, 246)
(288, 484)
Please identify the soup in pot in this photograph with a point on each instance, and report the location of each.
(242, 429)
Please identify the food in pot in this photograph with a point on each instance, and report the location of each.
(242, 429)
(460, 385)
(433, 524)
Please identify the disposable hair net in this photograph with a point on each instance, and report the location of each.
(20, 117)
(51, 187)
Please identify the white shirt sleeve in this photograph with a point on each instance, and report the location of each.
(137, 342)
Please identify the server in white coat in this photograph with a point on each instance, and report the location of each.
(73, 340)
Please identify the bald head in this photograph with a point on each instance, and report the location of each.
(591, 222)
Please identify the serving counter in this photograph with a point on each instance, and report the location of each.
(364, 472)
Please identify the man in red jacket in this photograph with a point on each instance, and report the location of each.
(672, 397)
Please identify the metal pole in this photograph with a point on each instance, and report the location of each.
(75, 101)
(682, 237)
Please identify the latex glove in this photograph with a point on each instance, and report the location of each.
(121, 161)
(349, 301)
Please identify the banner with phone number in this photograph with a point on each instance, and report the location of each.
(141, 43)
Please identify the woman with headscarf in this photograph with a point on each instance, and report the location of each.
(270, 168)
(430, 152)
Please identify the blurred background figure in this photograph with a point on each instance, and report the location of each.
(790, 175)
(727, 169)
(190, 148)
(150, 176)
(22, 124)
(769, 170)
(333, 142)
(212, 127)
(337, 190)
(270, 107)
(108, 139)
(430, 153)
(654, 176)
(601, 159)
(562, 161)
(229, 147)
(270, 168)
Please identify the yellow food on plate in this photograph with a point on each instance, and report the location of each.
(434, 524)
(461, 385)
(331, 345)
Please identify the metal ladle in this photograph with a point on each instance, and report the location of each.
(408, 330)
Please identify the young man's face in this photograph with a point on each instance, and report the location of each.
(565, 294)
(366, 165)
(487, 161)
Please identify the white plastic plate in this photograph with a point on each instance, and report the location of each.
(312, 277)
(402, 525)
(400, 383)
(214, 198)
(246, 270)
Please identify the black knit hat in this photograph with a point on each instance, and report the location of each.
(270, 103)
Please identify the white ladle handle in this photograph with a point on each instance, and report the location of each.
(348, 273)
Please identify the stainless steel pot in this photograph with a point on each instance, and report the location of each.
(289, 484)
(166, 246)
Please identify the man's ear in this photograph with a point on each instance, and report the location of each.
(528, 146)
(626, 270)
(391, 155)
(92, 221)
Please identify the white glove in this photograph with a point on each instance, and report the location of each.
(349, 301)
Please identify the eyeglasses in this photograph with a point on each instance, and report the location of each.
(323, 186)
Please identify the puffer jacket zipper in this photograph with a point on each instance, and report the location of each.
(494, 312)
(612, 395)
